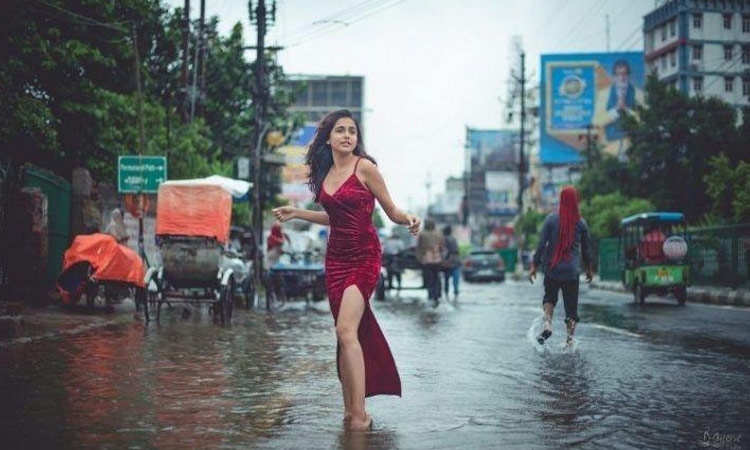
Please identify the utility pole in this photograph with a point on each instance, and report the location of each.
(202, 60)
(522, 140)
(606, 18)
(185, 53)
(198, 50)
(590, 146)
(141, 139)
(259, 16)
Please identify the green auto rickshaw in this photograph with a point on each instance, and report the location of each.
(655, 252)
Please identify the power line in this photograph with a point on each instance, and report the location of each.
(88, 20)
(577, 27)
(326, 21)
(365, 14)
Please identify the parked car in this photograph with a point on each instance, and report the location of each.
(484, 265)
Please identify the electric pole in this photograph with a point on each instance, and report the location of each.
(522, 140)
(260, 16)
(185, 57)
(606, 18)
(197, 53)
(202, 60)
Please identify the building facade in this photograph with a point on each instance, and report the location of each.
(701, 47)
(318, 95)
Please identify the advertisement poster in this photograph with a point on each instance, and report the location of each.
(583, 96)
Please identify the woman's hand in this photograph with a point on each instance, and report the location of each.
(413, 223)
(284, 213)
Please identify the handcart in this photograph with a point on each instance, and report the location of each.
(97, 267)
(192, 227)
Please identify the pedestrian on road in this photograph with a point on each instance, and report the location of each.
(274, 249)
(345, 181)
(451, 261)
(117, 228)
(430, 246)
(392, 248)
(564, 241)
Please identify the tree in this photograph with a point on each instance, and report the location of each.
(604, 213)
(729, 189)
(673, 138)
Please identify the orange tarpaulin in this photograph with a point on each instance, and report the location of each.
(110, 261)
(194, 210)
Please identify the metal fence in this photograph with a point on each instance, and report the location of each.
(718, 256)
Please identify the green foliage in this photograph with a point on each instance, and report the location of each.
(604, 212)
(377, 219)
(674, 140)
(69, 94)
(530, 225)
(729, 189)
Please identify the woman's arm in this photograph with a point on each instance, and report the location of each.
(374, 181)
(285, 213)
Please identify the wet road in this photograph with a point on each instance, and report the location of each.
(653, 377)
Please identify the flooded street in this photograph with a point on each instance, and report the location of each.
(657, 377)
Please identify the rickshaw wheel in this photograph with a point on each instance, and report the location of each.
(681, 295)
(638, 294)
(141, 300)
(249, 291)
(227, 301)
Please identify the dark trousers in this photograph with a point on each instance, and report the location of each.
(432, 280)
(569, 293)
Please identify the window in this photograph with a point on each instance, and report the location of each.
(746, 24)
(746, 54)
(663, 62)
(698, 84)
(697, 20)
(338, 93)
(728, 84)
(673, 58)
(727, 21)
(664, 33)
(746, 86)
(672, 28)
(356, 93)
(727, 53)
(319, 93)
(697, 52)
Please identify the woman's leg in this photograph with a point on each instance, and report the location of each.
(456, 275)
(351, 358)
(345, 395)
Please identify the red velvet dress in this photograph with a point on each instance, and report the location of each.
(353, 258)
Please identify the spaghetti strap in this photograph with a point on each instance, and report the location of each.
(355, 165)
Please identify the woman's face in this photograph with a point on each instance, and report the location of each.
(343, 137)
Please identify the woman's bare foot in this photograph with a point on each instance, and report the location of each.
(360, 425)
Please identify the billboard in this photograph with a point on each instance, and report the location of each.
(491, 148)
(294, 173)
(579, 91)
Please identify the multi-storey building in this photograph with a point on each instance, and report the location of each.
(318, 95)
(701, 47)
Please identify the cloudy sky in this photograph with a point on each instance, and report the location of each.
(432, 67)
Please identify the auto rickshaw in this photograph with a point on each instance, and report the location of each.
(655, 253)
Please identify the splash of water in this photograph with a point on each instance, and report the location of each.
(536, 327)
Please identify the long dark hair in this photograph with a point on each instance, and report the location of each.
(320, 156)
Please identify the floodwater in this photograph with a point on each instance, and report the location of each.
(653, 377)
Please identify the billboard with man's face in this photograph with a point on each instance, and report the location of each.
(587, 93)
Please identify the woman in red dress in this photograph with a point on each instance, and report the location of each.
(346, 182)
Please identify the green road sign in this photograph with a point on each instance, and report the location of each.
(140, 174)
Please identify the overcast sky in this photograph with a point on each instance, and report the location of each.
(431, 67)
